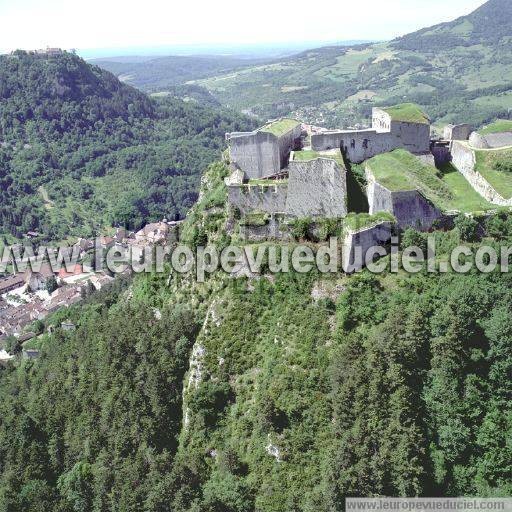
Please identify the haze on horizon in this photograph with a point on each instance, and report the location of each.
(31, 24)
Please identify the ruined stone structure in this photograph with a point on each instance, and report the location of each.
(264, 152)
(385, 135)
(249, 198)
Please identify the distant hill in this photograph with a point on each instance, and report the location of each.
(157, 74)
(490, 24)
(458, 71)
(80, 151)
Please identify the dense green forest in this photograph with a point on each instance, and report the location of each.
(80, 151)
(285, 393)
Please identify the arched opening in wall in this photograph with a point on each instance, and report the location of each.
(343, 150)
(365, 144)
(353, 143)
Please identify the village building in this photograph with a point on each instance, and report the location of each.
(76, 271)
(152, 233)
(39, 280)
(12, 282)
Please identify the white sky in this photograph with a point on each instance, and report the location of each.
(30, 24)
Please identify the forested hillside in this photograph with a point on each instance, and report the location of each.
(279, 394)
(80, 151)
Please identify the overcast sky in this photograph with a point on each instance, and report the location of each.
(30, 24)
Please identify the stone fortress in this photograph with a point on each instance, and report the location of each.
(288, 170)
(398, 127)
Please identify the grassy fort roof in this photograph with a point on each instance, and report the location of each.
(308, 155)
(280, 127)
(499, 126)
(407, 113)
(496, 167)
(401, 171)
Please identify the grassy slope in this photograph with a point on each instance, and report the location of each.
(500, 180)
(465, 198)
(400, 170)
(499, 126)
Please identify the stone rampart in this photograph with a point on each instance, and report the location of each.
(261, 153)
(410, 207)
(316, 188)
(360, 145)
(257, 153)
(463, 157)
(258, 198)
(356, 244)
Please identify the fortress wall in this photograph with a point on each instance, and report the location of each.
(316, 189)
(256, 154)
(414, 137)
(379, 234)
(410, 207)
(258, 198)
(288, 142)
(357, 146)
(273, 230)
(457, 132)
(363, 144)
(477, 141)
(326, 140)
(360, 146)
(464, 160)
(379, 197)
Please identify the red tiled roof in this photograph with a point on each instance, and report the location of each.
(77, 270)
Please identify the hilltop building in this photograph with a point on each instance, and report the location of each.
(51, 52)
